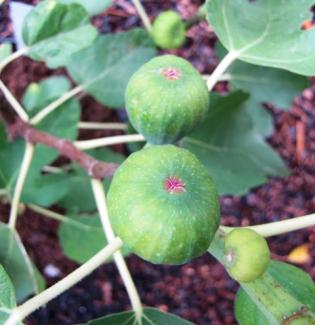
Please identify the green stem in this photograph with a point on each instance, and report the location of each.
(102, 126)
(280, 227)
(143, 15)
(27, 159)
(51, 107)
(13, 102)
(20, 312)
(99, 194)
(108, 141)
(12, 57)
(47, 213)
(221, 68)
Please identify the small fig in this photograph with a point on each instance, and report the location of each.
(168, 30)
(164, 205)
(166, 98)
(247, 254)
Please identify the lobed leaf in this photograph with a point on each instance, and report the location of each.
(5, 51)
(264, 85)
(7, 295)
(17, 264)
(106, 66)
(293, 291)
(54, 31)
(93, 7)
(79, 196)
(228, 144)
(86, 230)
(267, 33)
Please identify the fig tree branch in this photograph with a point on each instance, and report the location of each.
(94, 168)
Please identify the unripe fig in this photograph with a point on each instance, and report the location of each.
(166, 98)
(247, 254)
(168, 30)
(164, 205)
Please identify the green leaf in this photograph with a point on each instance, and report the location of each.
(93, 7)
(81, 237)
(262, 119)
(79, 196)
(39, 95)
(151, 316)
(7, 296)
(62, 123)
(267, 84)
(5, 51)
(264, 85)
(45, 190)
(267, 32)
(54, 31)
(293, 291)
(228, 144)
(105, 67)
(16, 262)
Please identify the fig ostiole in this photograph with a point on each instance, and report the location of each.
(168, 30)
(166, 99)
(164, 205)
(247, 254)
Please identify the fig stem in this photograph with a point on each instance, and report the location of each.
(22, 311)
(26, 162)
(12, 57)
(280, 227)
(51, 107)
(6, 92)
(99, 195)
(143, 15)
(102, 126)
(108, 141)
(48, 213)
(221, 68)
(13, 102)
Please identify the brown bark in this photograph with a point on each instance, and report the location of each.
(94, 168)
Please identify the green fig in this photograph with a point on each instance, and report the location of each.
(164, 205)
(168, 30)
(166, 99)
(247, 254)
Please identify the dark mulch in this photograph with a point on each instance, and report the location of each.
(199, 291)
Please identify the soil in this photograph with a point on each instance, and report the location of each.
(199, 291)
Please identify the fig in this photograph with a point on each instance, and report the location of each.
(164, 205)
(246, 254)
(166, 98)
(168, 30)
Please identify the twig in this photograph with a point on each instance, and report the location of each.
(281, 227)
(108, 141)
(47, 213)
(13, 102)
(12, 57)
(143, 15)
(20, 312)
(51, 107)
(102, 126)
(94, 168)
(28, 156)
(99, 195)
(221, 68)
